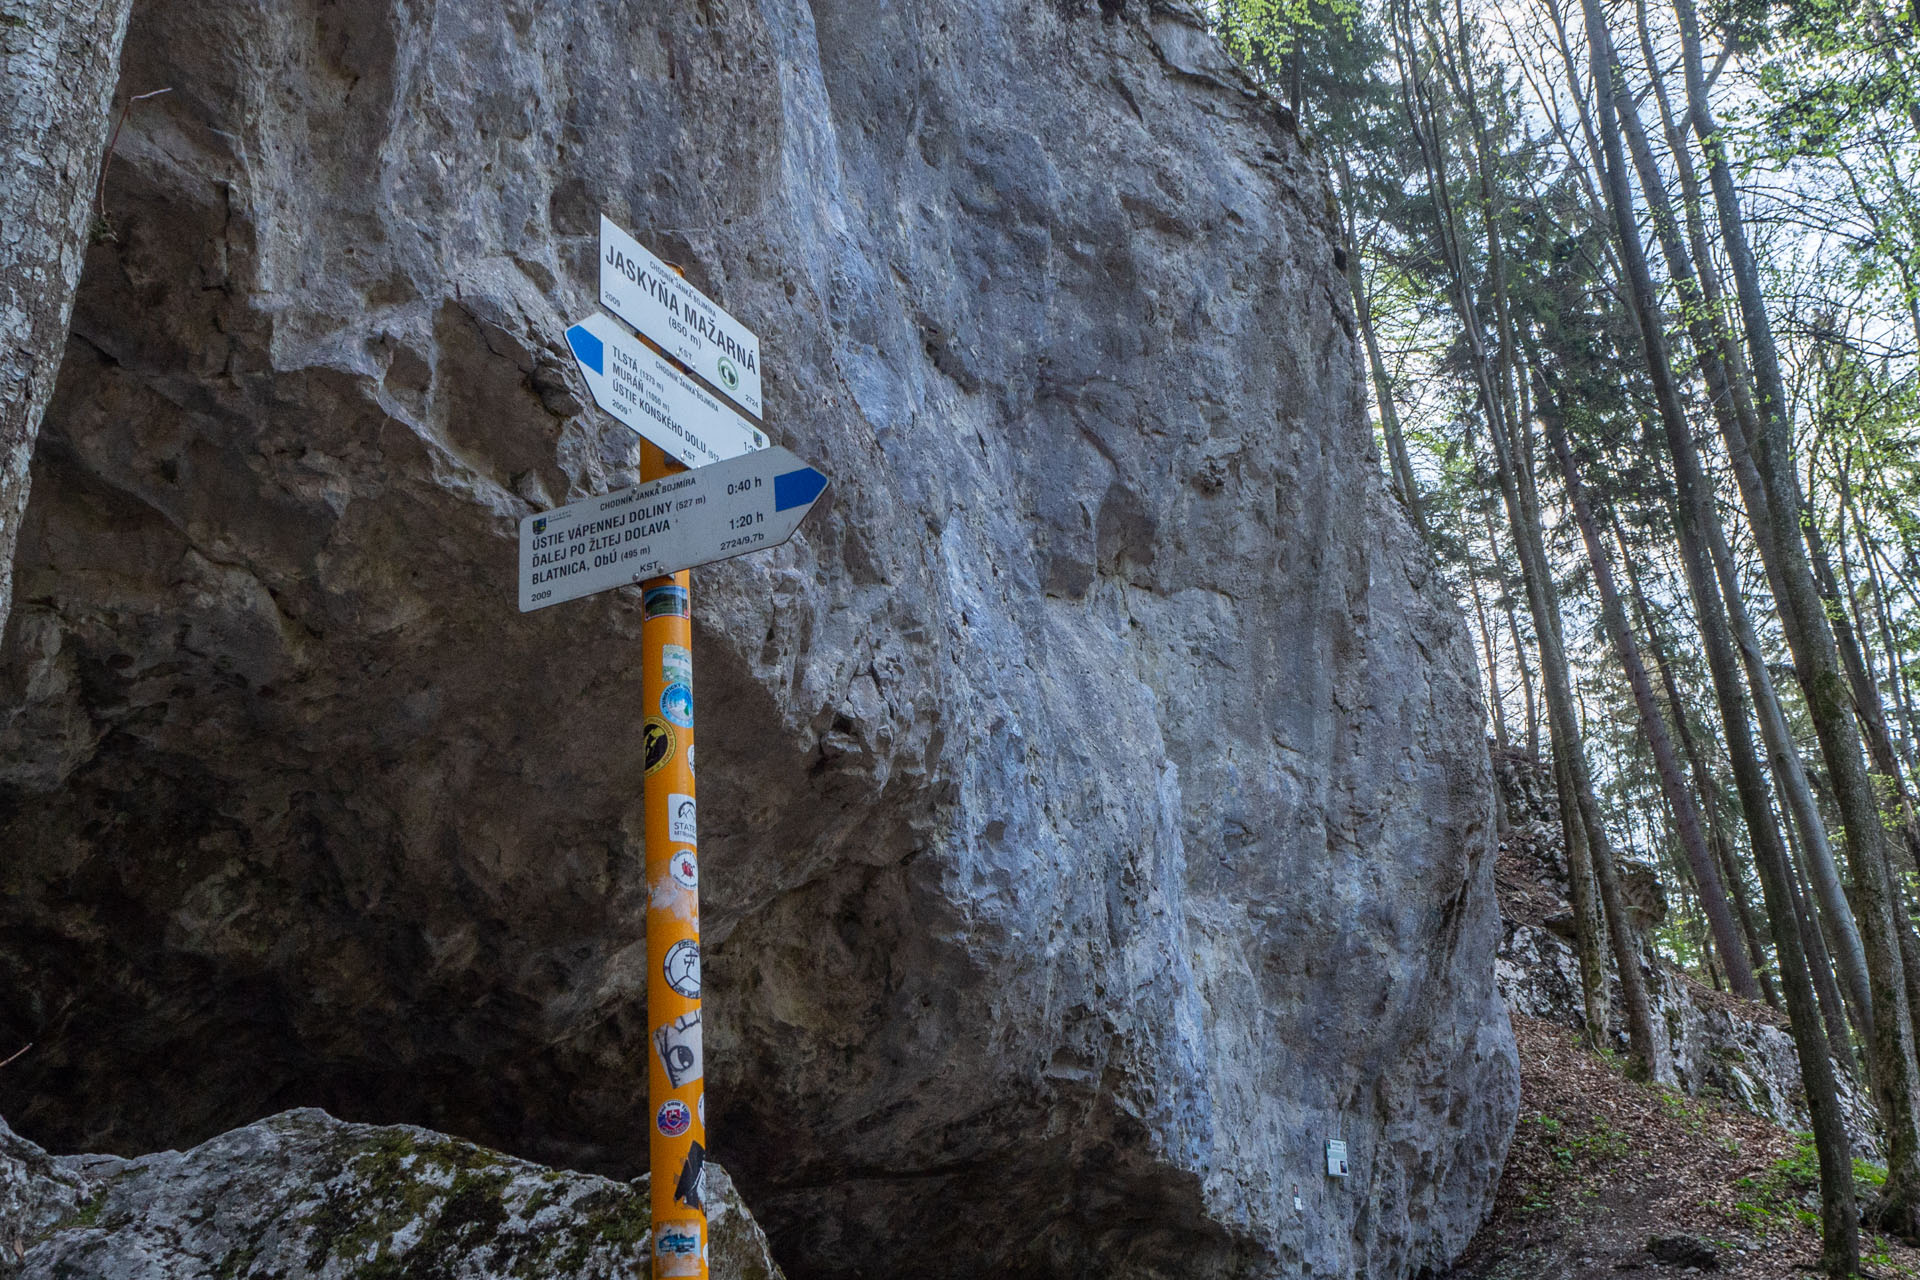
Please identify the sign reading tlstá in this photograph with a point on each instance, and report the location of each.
(688, 325)
(637, 385)
(748, 503)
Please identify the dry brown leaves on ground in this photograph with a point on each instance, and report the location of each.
(1601, 1164)
(1520, 879)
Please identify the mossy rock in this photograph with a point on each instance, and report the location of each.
(305, 1195)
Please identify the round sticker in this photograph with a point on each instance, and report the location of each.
(658, 741)
(689, 757)
(729, 376)
(673, 1118)
(676, 704)
(682, 967)
(685, 869)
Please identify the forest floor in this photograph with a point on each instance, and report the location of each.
(1602, 1165)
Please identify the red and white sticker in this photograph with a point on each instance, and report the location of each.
(674, 1117)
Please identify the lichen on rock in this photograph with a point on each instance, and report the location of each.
(303, 1194)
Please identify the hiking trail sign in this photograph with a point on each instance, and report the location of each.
(639, 386)
(688, 325)
(689, 518)
(742, 494)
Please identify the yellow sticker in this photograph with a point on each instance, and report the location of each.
(659, 742)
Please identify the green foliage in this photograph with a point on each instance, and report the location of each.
(1679, 1106)
(1321, 57)
(397, 1180)
(1573, 1147)
(1840, 102)
(1266, 31)
(1786, 1197)
(86, 1214)
(1600, 1144)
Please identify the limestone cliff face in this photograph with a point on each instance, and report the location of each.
(1094, 817)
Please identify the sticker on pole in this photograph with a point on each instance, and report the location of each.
(681, 968)
(669, 601)
(678, 1044)
(639, 386)
(683, 823)
(676, 1248)
(744, 504)
(674, 1118)
(657, 740)
(676, 664)
(688, 325)
(689, 1188)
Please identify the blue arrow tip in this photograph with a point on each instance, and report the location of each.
(587, 349)
(797, 488)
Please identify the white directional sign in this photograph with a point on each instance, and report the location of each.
(636, 385)
(691, 518)
(688, 325)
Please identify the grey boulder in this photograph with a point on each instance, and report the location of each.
(302, 1194)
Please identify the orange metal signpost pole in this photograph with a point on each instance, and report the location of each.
(748, 495)
(676, 1106)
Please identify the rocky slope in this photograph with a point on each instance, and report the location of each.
(1095, 821)
(303, 1194)
(1719, 1046)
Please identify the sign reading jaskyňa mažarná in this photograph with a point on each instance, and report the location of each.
(688, 325)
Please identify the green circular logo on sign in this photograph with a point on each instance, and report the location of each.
(729, 376)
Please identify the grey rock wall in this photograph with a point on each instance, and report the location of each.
(302, 1194)
(1095, 820)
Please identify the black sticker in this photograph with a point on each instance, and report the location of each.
(659, 742)
(692, 1178)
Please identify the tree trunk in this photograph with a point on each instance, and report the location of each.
(1703, 783)
(1649, 1061)
(61, 61)
(1872, 715)
(1584, 895)
(1526, 681)
(1493, 670)
(1513, 633)
(1816, 663)
(1397, 462)
(1815, 936)
(1841, 611)
(1896, 672)
(1732, 403)
(1522, 510)
(1686, 815)
(1840, 1228)
(1652, 328)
